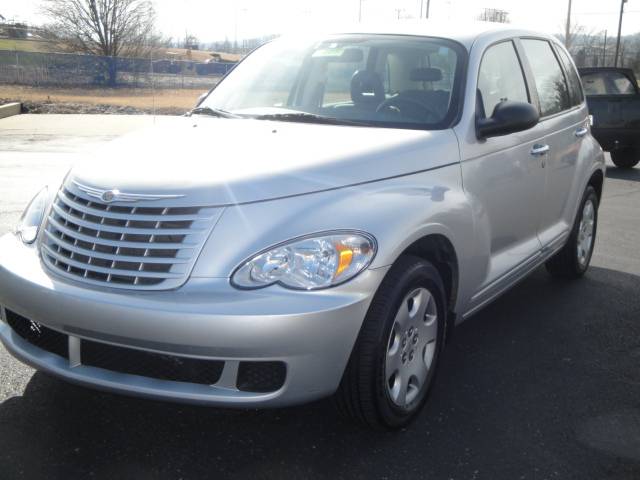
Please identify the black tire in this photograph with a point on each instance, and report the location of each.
(627, 158)
(565, 263)
(363, 394)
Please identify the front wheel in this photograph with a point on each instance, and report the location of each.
(574, 258)
(627, 158)
(393, 363)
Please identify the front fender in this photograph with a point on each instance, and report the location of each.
(397, 212)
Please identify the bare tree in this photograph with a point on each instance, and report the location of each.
(573, 34)
(109, 28)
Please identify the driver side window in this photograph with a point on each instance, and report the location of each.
(501, 77)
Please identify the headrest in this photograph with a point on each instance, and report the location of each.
(367, 87)
(425, 75)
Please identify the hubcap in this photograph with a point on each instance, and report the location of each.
(585, 232)
(411, 347)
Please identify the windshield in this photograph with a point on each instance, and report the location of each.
(380, 80)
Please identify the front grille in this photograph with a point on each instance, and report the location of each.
(38, 335)
(153, 365)
(138, 247)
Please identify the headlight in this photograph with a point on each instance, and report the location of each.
(31, 219)
(309, 263)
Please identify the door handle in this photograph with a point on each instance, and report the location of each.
(581, 132)
(538, 150)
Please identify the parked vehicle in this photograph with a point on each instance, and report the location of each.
(328, 245)
(614, 101)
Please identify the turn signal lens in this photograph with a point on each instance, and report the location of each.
(309, 263)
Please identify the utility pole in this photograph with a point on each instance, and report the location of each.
(422, 10)
(604, 50)
(567, 32)
(615, 59)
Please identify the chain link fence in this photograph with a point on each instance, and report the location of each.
(61, 69)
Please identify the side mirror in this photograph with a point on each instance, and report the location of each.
(508, 117)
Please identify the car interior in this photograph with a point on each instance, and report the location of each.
(377, 83)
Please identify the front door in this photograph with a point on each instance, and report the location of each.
(504, 178)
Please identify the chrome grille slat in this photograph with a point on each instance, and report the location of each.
(124, 216)
(110, 271)
(143, 246)
(106, 256)
(114, 243)
(109, 228)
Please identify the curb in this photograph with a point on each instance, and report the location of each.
(10, 109)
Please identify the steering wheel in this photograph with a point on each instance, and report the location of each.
(410, 107)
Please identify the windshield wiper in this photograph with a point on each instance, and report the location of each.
(213, 112)
(304, 117)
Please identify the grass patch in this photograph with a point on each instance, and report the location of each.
(27, 45)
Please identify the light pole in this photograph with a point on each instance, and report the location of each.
(615, 59)
(567, 31)
(423, 10)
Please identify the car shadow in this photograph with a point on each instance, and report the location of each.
(525, 390)
(629, 174)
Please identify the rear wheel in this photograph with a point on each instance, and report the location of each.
(627, 158)
(393, 364)
(574, 258)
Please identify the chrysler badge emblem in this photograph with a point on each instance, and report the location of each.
(109, 196)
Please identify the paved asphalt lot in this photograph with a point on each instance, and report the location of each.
(543, 384)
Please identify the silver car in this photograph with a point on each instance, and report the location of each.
(316, 226)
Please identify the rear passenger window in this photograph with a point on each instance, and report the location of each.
(550, 81)
(575, 87)
(501, 78)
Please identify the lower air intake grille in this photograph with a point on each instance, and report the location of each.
(38, 335)
(148, 364)
(261, 377)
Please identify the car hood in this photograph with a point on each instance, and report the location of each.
(214, 161)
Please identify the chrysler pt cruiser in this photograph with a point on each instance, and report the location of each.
(316, 226)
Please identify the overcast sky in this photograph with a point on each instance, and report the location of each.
(216, 19)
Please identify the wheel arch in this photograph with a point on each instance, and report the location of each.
(597, 182)
(437, 249)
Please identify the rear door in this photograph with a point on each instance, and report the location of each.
(564, 118)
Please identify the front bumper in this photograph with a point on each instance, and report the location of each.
(312, 333)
